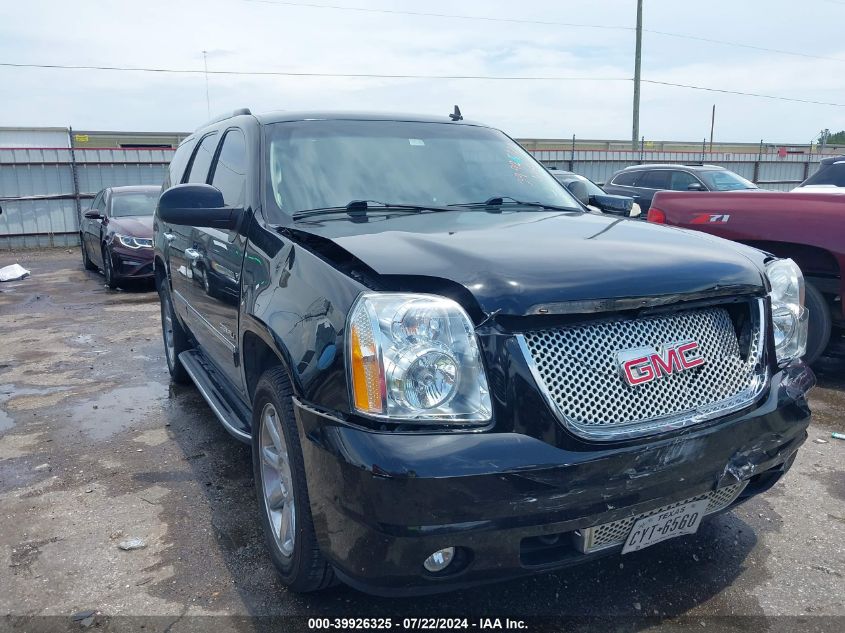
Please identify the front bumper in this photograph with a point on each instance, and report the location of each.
(132, 263)
(383, 502)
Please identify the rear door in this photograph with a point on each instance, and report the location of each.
(179, 238)
(651, 182)
(215, 258)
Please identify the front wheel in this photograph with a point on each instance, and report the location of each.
(282, 492)
(108, 269)
(819, 325)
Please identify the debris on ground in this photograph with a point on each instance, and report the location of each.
(13, 272)
(820, 441)
(42, 467)
(838, 436)
(132, 543)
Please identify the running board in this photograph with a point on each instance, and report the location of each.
(203, 376)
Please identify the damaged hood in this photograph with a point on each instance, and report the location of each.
(521, 262)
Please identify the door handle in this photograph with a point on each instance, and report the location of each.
(169, 237)
(192, 253)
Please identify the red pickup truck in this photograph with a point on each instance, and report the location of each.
(809, 228)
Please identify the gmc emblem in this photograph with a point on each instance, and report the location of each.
(645, 364)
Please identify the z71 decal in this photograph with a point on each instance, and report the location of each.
(710, 218)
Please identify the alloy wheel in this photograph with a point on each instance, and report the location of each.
(276, 480)
(167, 329)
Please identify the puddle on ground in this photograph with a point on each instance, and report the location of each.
(6, 421)
(119, 409)
(8, 392)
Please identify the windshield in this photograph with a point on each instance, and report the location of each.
(725, 181)
(135, 203)
(321, 164)
(833, 174)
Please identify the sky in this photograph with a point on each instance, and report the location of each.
(266, 35)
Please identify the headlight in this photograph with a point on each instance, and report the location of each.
(134, 242)
(415, 357)
(789, 316)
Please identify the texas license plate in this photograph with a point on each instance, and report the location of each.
(683, 519)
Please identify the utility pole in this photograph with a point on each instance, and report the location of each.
(712, 125)
(635, 134)
(207, 100)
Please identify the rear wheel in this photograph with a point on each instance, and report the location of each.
(818, 330)
(108, 269)
(282, 492)
(86, 261)
(175, 338)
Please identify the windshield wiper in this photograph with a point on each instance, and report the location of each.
(499, 201)
(358, 208)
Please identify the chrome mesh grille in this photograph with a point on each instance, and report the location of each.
(578, 369)
(616, 532)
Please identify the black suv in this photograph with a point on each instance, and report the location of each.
(450, 372)
(642, 181)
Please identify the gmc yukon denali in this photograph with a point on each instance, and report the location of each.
(449, 370)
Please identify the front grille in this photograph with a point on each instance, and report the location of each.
(616, 532)
(577, 368)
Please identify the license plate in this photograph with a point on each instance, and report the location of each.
(683, 519)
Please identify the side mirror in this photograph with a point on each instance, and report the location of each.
(91, 214)
(695, 186)
(614, 205)
(197, 205)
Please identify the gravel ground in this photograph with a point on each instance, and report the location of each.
(97, 448)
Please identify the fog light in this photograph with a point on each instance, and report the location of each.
(439, 560)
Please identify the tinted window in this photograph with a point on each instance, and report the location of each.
(230, 170)
(627, 178)
(828, 175)
(178, 163)
(202, 159)
(681, 180)
(724, 180)
(133, 203)
(318, 164)
(655, 179)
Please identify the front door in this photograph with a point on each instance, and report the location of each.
(214, 259)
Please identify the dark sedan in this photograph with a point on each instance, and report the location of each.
(594, 197)
(116, 233)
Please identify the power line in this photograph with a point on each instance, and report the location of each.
(311, 5)
(744, 94)
(280, 73)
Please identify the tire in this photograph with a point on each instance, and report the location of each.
(86, 261)
(281, 487)
(819, 326)
(174, 337)
(108, 269)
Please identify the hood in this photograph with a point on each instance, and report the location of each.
(519, 262)
(819, 189)
(134, 225)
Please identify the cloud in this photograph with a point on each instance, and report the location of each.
(242, 35)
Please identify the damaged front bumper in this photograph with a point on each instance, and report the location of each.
(512, 504)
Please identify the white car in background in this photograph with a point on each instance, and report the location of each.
(830, 177)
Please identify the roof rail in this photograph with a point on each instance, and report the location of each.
(223, 117)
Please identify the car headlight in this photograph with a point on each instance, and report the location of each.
(415, 357)
(789, 316)
(134, 242)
